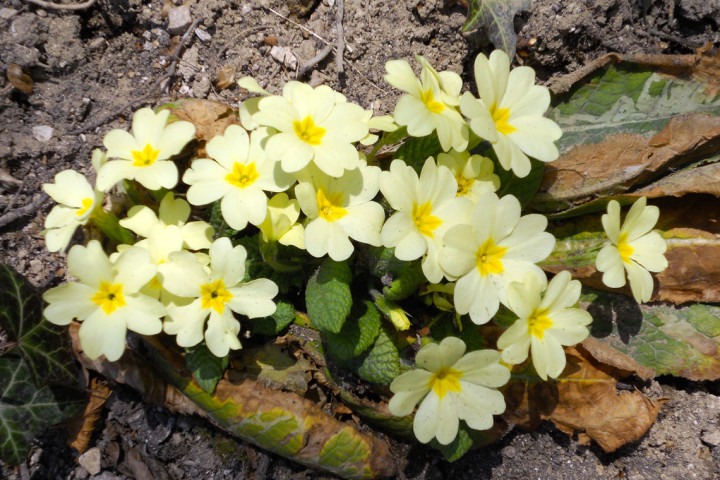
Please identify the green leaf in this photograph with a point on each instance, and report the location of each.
(467, 331)
(458, 447)
(357, 334)
(496, 18)
(110, 226)
(523, 188)
(275, 368)
(400, 279)
(206, 368)
(382, 364)
(284, 315)
(671, 340)
(44, 347)
(327, 297)
(26, 409)
(222, 229)
(416, 150)
(627, 98)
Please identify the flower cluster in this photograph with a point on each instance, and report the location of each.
(291, 172)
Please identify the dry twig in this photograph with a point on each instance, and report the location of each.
(28, 209)
(168, 75)
(340, 37)
(322, 54)
(63, 6)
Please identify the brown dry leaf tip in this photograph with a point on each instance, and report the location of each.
(605, 354)
(584, 399)
(210, 118)
(225, 77)
(19, 79)
(81, 426)
(622, 161)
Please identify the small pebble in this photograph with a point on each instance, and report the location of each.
(42, 133)
(90, 461)
(203, 35)
(179, 19)
(711, 437)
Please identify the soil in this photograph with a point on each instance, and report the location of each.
(89, 63)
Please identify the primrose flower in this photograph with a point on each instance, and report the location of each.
(340, 209)
(473, 173)
(430, 104)
(173, 211)
(107, 299)
(215, 294)
(383, 123)
(77, 201)
(314, 125)
(510, 113)
(280, 224)
(426, 207)
(453, 386)
(545, 325)
(240, 174)
(495, 248)
(144, 154)
(632, 247)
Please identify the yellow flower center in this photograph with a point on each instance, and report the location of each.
(428, 99)
(624, 248)
(501, 116)
(86, 204)
(109, 296)
(464, 184)
(538, 322)
(308, 132)
(242, 175)
(445, 380)
(488, 258)
(424, 220)
(329, 205)
(144, 157)
(214, 295)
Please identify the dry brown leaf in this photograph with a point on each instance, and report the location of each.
(210, 118)
(603, 353)
(584, 399)
(226, 77)
(81, 426)
(19, 79)
(622, 161)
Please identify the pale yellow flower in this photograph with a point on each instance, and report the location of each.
(314, 125)
(545, 324)
(144, 155)
(107, 299)
(633, 248)
(451, 386)
(473, 173)
(430, 104)
(510, 113)
(280, 224)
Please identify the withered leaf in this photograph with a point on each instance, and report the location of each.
(584, 399)
(605, 354)
(623, 161)
(226, 77)
(272, 367)
(19, 79)
(81, 426)
(210, 118)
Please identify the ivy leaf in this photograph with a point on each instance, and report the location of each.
(44, 347)
(382, 364)
(206, 368)
(284, 315)
(496, 17)
(327, 296)
(26, 409)
(358, 332)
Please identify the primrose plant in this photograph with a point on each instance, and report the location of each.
(413, 229)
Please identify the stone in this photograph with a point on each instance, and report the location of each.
(711, 437)
(90, 461)
(42, 133)
(179, 19)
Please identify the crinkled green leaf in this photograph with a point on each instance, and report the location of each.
(206, 368)
(44, 347)
(25, 409)
(327, 296)
(673, 341)
(382, 363)
(627, 98)
(400, 279)
(416, 150)
(357, 334)
(284, 315)
(222, 229)
(466, 331)
(496, 18)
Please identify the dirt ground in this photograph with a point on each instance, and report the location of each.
(90, 63)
